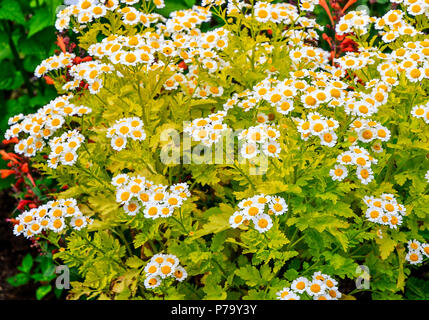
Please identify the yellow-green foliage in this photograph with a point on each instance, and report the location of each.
(324, 227)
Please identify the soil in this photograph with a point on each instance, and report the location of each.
(12, 251)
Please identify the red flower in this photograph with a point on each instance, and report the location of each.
(183, 65)
(13, 140)
(49, 80)
(6, 173)
(22, 204)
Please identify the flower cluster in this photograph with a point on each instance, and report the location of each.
(392, 24)
(259, 139)
(417, 251)
(123, 129)
(354, 22)
(384, 210)
(86, 11)
(368, 130)
(54, 216)
(63, 60)
(319, 126)
(135, 193)
(90, 72)
(63, 149)
(258, 209)
(41, 125)
(277, 12)
(207, 130)
(319, 287)
(162, 266)
(358, 157)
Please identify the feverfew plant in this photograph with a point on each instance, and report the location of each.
(325, 165)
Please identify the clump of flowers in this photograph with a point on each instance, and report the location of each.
(417, 251)
(42, 125)
(259, 210)
(319, 287)
(157, 201)
(358, 157)
(260, 139)
(384, 210)
(123, 129)
(56, 216)
(319, 126)
(207, 130)
(64, 149)
(162, 266)
(53, 63)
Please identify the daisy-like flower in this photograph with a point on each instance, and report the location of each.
(277, 205)
(339, 172)
(166, 269)
(284, 294)
(315, 288)
(414, 257)
(300, 285)
(414, 245)
(152, 282)
(79, 222)
(374, 214)
(425, 249)
(236, 219)
(263, 223)
(365, 175)
(180, 273)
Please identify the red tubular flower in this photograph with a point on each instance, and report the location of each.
(348, 4)
(183, 65)
(22, 204)
(31, 179)
(86, 59)
(12, 220)
(6, 173)
(10, 156)
(327, 39)
(325, 6)
(60, 43)
(77, 60)
(12, 140)
(24, 168)
(49, 80)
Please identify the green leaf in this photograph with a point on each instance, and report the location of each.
(43, 291)
(218, 220)
(386, 246)
(18, 279)
(11, 10)
(26, 264)
(291, 274)
(39, 21)
(190, 3)
(134, 262)
(249, 274)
